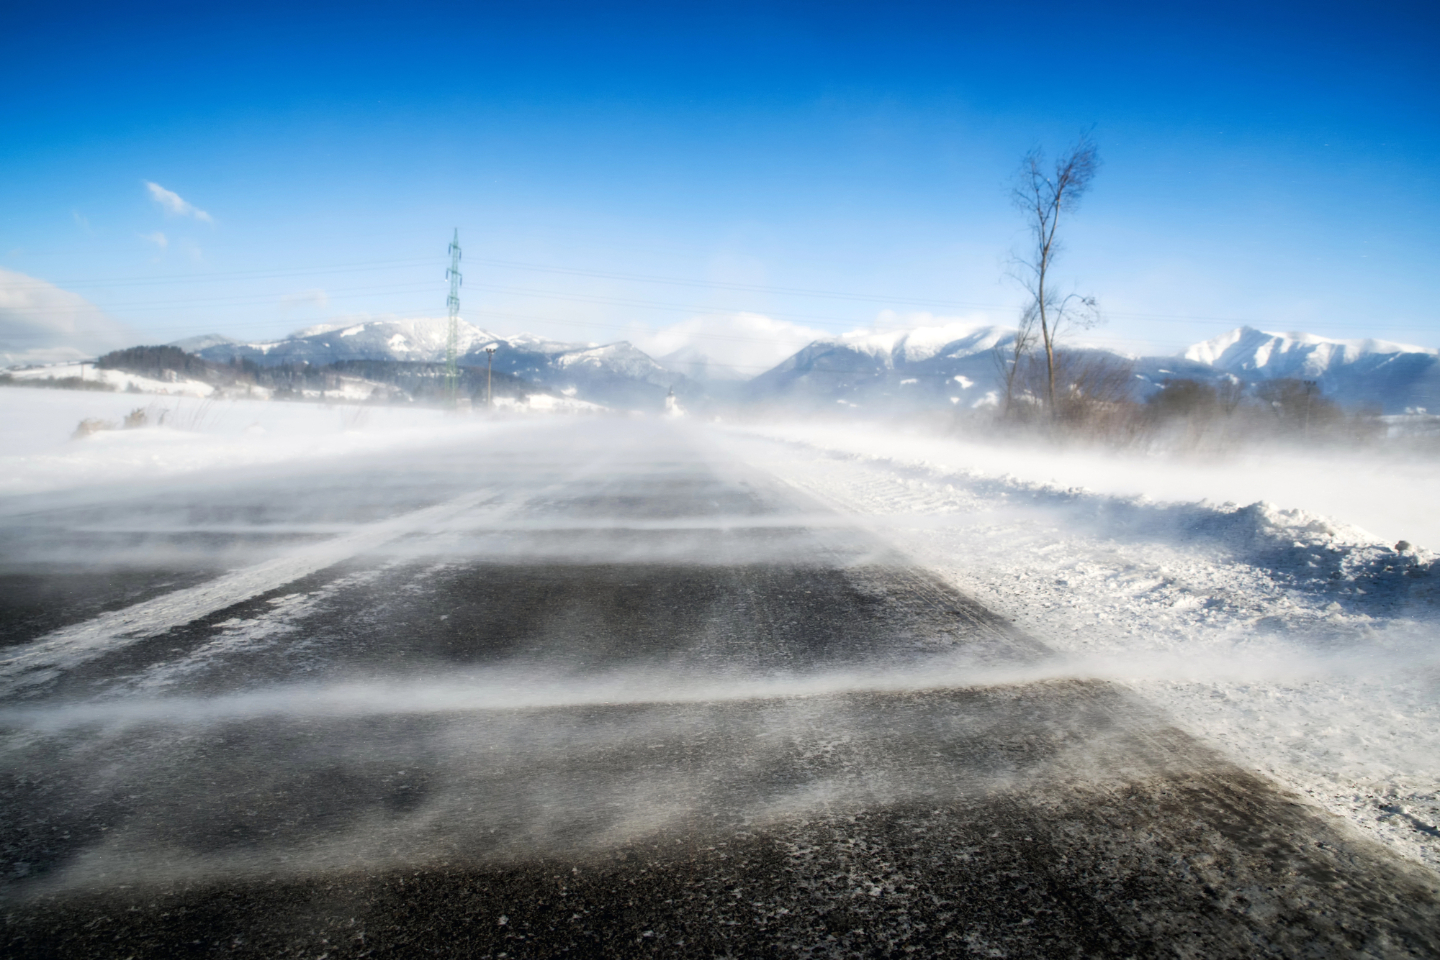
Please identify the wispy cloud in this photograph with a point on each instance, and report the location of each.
(82, 222)
(890, 321)
(175, 204)
(157, 238)
(305, 298)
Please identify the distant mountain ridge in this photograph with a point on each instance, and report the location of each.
(416, 340)
(957, 365)
(926, 366)
(615, 374)
(947, 365)
(1361, 372)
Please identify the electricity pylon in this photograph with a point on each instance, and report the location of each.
(452, 339)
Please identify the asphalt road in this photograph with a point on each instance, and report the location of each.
(595, 688)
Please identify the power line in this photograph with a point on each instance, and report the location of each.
(241, 300)
(723, 285)
(233, 275)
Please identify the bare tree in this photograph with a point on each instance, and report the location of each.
(1043, 195)
(1008, 359)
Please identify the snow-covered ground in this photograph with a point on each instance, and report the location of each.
(548, 403)
(1297, 643)
(37, 452)
(115, 379)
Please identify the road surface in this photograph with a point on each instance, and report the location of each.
(597, 687)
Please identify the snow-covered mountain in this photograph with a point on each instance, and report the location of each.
(420, 340)
(196, 344)
(700, 364)
(955, 365)
(1377, 373)
(615, 374)
(951, 365)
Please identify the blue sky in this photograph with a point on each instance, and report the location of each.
(618, 169)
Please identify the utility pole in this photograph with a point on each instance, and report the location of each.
(489, 370)
(452, 340)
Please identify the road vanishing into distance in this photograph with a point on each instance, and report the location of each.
(591, 687)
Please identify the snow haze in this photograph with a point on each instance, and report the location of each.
(734, 347)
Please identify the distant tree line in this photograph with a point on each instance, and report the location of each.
(1097, 396)
(407, 380)
(153, 362)
(54, 383)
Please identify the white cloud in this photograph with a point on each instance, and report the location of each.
(173, 203)
(887, 321)
(726, 347)
(157, 238)
(40, 323)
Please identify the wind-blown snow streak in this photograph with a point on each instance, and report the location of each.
(1301, 646)
(68, 647)
(503, 690)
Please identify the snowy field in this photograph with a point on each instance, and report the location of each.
(38, 454)
(1299, 644)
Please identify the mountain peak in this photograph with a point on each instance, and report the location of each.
(1246, 350)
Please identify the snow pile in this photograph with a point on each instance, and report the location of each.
(1301, 646)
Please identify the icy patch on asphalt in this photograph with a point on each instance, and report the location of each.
(44, 659)
(1301, 645)
(244, 635)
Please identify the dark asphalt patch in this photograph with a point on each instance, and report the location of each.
(1138, 872)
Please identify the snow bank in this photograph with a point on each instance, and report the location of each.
(1388, 497)
(1302, 646)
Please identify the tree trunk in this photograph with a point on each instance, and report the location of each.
(1045, 329)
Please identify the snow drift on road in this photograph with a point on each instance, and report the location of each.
(1301, 645)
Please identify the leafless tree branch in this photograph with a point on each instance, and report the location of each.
(1042, 194)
